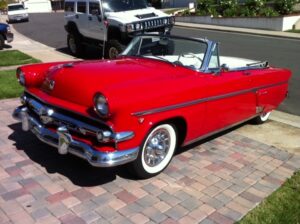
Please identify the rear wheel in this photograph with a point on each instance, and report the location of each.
(1, 42)
(74, 44)
(156, 152)
(263, 117)
(113, 48)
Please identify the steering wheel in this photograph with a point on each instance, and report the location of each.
(189, 55)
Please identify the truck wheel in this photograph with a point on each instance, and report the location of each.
(1, 42)
(156, 151)
(113, 49)
(74, 44)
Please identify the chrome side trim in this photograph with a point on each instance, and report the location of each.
(218, 131)
(203, 100)
(77, 148)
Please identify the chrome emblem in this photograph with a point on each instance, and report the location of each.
(51, 84)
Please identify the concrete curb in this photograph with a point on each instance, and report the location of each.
(256, 32)
(285, 118)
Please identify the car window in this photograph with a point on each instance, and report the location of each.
(94, 8)
(81, 7)
(69, 6)
(214, 60)
(15, 7)
(123, 5)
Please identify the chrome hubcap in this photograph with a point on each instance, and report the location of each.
(113, 52)
(157, 147)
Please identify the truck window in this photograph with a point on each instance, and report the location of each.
(81, 7)
(69, 6)
(94, 8)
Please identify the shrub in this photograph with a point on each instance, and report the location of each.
(255, 5)
(246, 12)
(229, 8)
(284, 6)
(204, 5)
(268, 12)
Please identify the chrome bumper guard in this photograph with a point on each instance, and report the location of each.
(62, 140)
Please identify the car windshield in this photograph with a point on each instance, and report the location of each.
(178, 51)
(123, 5)
(15, 7)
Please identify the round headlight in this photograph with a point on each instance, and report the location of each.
(21, 77)
(101, 105)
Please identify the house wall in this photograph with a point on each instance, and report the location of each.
(35, 6)
(175, 3)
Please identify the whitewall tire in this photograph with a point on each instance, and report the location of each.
(263, 117)
(156, 152)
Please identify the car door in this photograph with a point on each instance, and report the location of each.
(81, 17)
(96, 27)
(230, 97)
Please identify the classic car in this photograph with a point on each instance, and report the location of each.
(161, 93)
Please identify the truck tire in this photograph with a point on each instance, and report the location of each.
(75, 45)
(113, 48)
(1, 42)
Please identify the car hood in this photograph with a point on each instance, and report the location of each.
(132, 15)
(78, 82)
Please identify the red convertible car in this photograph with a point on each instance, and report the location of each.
(161, 93)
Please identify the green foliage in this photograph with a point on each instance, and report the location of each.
(285, 6)
(268, 12)
(15, 57)
(229, 8)
(3, 4)
(204, 5)
(255, 5)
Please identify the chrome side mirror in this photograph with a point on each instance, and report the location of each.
(222, 68)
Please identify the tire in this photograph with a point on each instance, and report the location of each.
(113, 48)
(262, 118)
(156, 152)
(75, 45)
(2, 42)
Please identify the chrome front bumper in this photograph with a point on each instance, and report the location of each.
(62, 140)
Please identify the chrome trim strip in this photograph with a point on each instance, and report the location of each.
(202, 100)
(77, 148)
(218, 131)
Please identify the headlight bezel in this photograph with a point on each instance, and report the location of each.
(21, 77)
(101, 106)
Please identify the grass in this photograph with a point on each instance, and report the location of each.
(293, 31)
(283, 206)
(9, 85)
(15, 57)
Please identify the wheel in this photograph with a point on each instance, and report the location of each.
(263, 117)
(112, 49)
(2, 42)
(74, 44)
(156, 152)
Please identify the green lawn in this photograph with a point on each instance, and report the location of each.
(9, 85)
(293, 31)
(15, 57)
(281, 207)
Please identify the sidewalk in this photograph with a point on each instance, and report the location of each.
(240, 30)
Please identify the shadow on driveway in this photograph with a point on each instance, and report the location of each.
(78, 171)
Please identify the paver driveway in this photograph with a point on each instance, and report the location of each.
(216, 181)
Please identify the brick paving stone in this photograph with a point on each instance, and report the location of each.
(212, 201)
(219, 218)
(139, 219)
(90, 216)
(57, 197)
(116, 204)
(223, 198)
(162, 206)
(170, 199)
(82, 194)
(131, 209)
(84, 207)
(147, 201)
(58, 209)
(187, 220)
(70, 202)
(103, 198)
(126, 197)
(191, 203)
(207, 221)
(176, 212)
(198, 215)
(251, 197)
(96, 191)
(234, 215)
(237, 207)
(72, 219)
(14, 194)
(107, 213)
(154, 214)
(169, 221)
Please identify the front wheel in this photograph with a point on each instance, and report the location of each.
(156, 152)
(74, 44)
(112, 49)
(263, 117)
